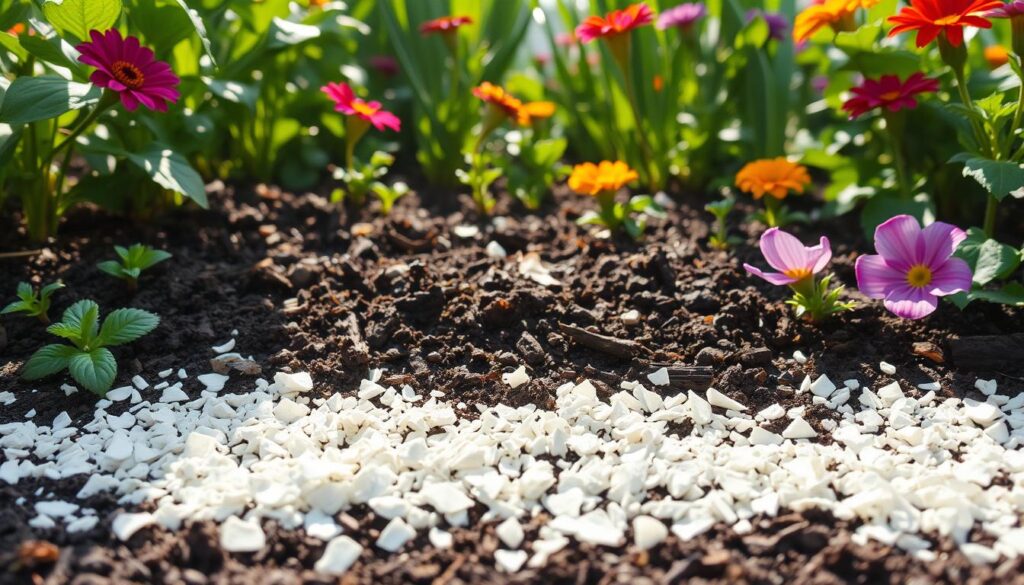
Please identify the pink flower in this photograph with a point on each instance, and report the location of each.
(614, 23)
(122, 65)
(793, 260)
(913, 266)
(346, 102)
(890, 93)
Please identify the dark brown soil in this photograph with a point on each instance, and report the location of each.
(310, 289)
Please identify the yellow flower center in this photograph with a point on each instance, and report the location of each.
(890, 95)
(798, 273)
(128, 74)
(363, 109)
(919, 276)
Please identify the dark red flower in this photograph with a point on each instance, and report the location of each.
(890, 93)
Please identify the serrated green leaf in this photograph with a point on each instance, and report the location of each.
(74, 314)
(15, 307)
(78, 17)
(66, 331)
(124, 325)
(50, 359)
(1000, 178)
(95, 370)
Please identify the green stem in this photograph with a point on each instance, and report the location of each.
(895, 126)
(1018, 116)
(771, 210)
(622, 59)
(990, 216)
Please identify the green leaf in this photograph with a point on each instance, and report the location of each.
(1000, 178)
(989, 259)
(151, 257)
(50, 359)
(862, 39)
(171, 171)
(197, 23)
(112, 268)
(234, 91)
(78, 17)
(284, 33)
(69, 332)
(1011, 294)
(25, 290)
(95, 369)
(124, 325)
(80, 314)
(51, 288)
(30, 99)
(53, 50)
(16, 306)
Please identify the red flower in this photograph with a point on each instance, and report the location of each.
(130, 70)
(930, 18)
(444, 24)
(890, 93)
(346, 102)
(614, 23)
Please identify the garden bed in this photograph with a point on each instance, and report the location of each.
(444, 303)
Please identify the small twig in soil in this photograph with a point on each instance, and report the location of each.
(19, 254)
(688, 377)
(620, 348)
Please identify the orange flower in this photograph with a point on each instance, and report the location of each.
(523, 113)
(604, 177)
(496, 96)
(996, 56)
(614, 23)
(658, 83)
(835, 13)
(776, 177)
(445, 24)
(930, 18)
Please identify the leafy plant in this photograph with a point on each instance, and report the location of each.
(50, 110)
(87, 359)
(993, 265)
(478, 178)
(361, 181)
(133, 260)
(32, 304)
(442, 66)
(536, 168)
(720, 238)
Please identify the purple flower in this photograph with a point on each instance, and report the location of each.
(1009, 10)
(913, 266)
(793, 260)
(683, 16)
(777, 23)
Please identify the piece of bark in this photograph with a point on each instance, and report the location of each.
(988, 352)
(354, 350)
(690, 377)
(613, 346)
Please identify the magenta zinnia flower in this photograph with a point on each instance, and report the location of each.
(1008, 10)
(793, 260)
(683, 16)
(913, 266)
(346, 102)
(890, 93)
(122, 65)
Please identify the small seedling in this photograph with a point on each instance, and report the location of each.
(88, 360)
(358, 183)
(133, 261)
(30, 303)
(720, 239)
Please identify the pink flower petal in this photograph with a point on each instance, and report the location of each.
(776, 278)
(940, 241)
(128, 101)
(951, 277)
(875, 278)
(783, 251)
(819, 256)
(897, 241)
(910, 302)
